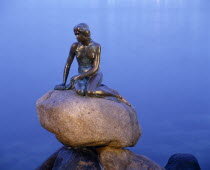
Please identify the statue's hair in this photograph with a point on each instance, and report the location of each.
(83, 28)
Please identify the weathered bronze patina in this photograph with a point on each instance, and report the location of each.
(88, 81)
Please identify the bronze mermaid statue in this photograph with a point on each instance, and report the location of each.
(89, 80)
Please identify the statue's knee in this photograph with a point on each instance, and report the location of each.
(80, 92)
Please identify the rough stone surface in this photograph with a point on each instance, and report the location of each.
(79, 121)
(81, 159)
(182, 161)
(123, 159)
(104, 158)
(71, 159)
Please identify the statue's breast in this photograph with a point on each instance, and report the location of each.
(85, 55)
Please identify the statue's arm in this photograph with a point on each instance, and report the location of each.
(67, 67)
(95, 68)
(69, 62)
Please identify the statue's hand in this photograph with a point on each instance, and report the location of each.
(71, 84)
(60, 87)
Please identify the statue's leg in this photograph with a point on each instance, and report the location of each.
(114, 91)
(94, 81)
(80, 86)
(94, 88)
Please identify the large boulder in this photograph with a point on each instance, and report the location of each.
(80, 121)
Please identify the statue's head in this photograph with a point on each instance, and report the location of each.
(82, 32)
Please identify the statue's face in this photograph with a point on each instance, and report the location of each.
(79, 36)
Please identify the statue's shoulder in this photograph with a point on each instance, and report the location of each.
(95, 44)
(74, 45)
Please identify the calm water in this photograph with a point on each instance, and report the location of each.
(154, 52)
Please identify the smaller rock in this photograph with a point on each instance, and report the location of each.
(102, 158)
(182, 161)
(71, 159)
(49, 163)
(118, 159)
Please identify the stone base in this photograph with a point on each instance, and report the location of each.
(107, 158)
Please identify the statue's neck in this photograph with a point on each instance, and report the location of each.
(86, 43)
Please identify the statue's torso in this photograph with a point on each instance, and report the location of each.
(85, 56)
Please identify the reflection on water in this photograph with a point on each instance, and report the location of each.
(160, 47)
